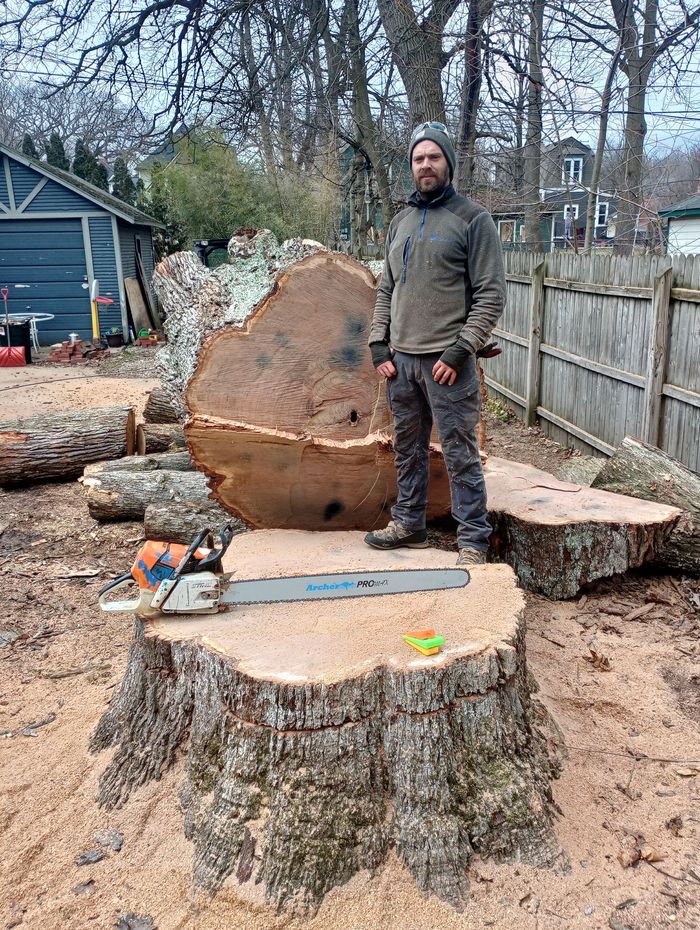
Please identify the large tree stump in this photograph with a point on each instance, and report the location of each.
(646, 472)
(315, 741)
(560, 536)
(60, 445)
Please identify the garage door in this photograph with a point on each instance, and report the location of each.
(42, 262)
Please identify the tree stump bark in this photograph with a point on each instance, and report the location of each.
(168, 461)
(560, 536)
(51, 446)
(645, 472)
(152, 438)
(316, 741)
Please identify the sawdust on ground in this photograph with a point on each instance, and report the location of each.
(624, 692)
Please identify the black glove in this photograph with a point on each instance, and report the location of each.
(380, 353)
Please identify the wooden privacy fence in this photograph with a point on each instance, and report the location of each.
(598, 347)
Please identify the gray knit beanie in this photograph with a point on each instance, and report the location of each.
(437, 133)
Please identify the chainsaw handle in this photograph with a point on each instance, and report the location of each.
(123, 581)
(184, 562)
(213, 560)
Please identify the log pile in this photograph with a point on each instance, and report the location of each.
(312, 754)
(60, 445)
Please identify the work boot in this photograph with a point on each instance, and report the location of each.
(471, 556)
(394, 536)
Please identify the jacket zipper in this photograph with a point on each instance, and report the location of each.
(422, 223)
(406, 247)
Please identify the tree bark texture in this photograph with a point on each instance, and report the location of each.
(59, 446)
(309, 754)
(180, 521)
(152, 438)
(160, 407)
(124, 495)
(646, 472)
(559, 536)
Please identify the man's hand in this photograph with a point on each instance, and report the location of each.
(443, 374)
(387, 370)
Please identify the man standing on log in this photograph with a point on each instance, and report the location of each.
(441, 293)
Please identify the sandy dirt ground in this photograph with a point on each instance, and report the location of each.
(629, 735)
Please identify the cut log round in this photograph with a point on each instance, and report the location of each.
(159, 407)
(274, 479)
(301, 363)
(60, 445)
(560, 536)
(180, 521)
(317, 741)
(152, 438)
(170, 461)
(646, 472)
(124, 495)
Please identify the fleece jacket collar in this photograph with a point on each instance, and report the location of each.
(415, 200)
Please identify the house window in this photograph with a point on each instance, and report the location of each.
(602, 217)
(567, 211)
(506, 230)
(573, 170)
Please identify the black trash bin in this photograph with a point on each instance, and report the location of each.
(20, 335)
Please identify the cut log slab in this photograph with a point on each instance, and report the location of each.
(160, 408)
(645, 472)
(180, 521)
(152, 438)
(316, 741)
(60, 445)
(169, 461)
(275, 479)
(560, 536)
(301, 363)
(124, 495)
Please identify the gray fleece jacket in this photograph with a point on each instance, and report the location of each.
(443, 284)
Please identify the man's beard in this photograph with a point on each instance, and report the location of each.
(431, 185)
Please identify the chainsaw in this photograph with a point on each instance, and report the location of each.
(177, 579)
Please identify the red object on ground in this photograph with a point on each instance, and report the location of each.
(12, 357)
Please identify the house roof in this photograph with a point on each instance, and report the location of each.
(570, 142)
(84, 189)
(688, 207)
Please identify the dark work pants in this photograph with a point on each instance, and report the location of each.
(417, 401)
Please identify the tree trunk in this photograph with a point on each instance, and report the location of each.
(124, 495)
(416, 48)
(152, 438)
(313, 754)
(180, 522)
(559, 536)
(160, 408)
(646, 472)
(170, 461)
(532, 233)
(631, 197)
(477, 13)
(60, 445)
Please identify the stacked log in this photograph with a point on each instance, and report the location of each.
(60, 445)
(152, 438)
(645, 472)
(160, 407)
(124, 495)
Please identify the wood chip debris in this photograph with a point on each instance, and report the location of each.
(72, 670)
(31, 727)
(639, 612)
(598, 660)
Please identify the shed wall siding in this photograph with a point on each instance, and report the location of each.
(55, 198)
(684, 236)
(4, 195)
(127, 243)
(24, 180)
(104, 265)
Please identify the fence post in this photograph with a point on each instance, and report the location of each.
(656, 356)
(532, 393)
